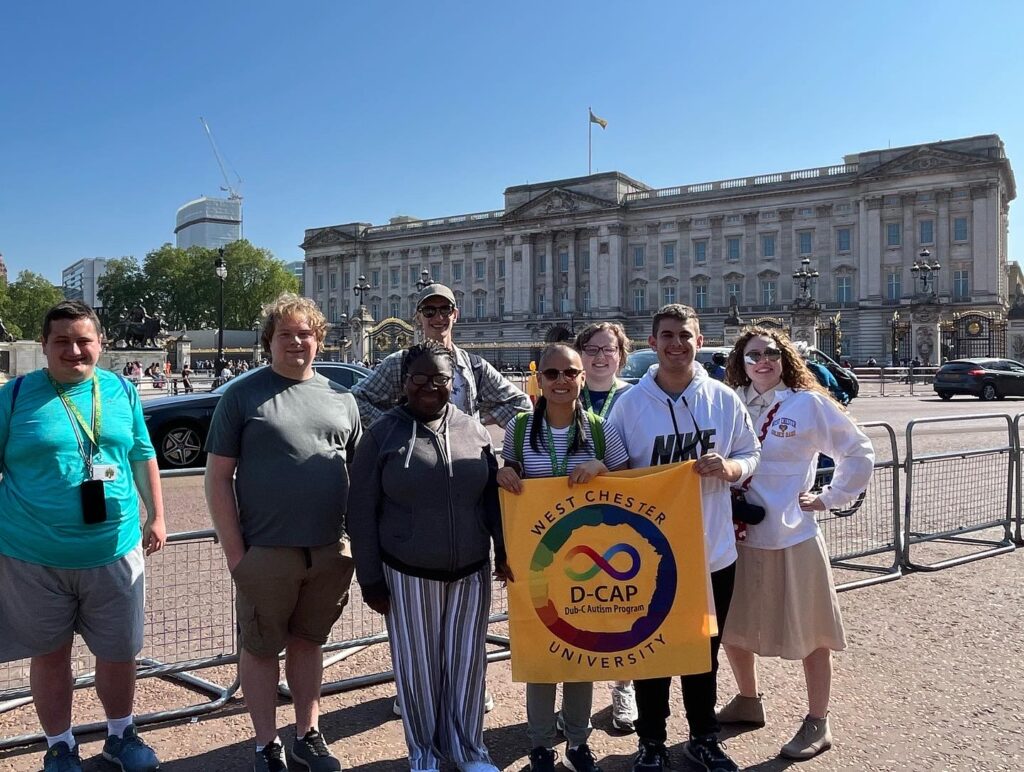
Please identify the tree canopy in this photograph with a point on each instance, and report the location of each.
(23, 303)
(181, 285)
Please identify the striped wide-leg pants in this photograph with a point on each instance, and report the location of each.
(437, 632)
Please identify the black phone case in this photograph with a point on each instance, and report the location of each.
(94, 502)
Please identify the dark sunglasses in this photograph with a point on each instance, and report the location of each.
(552, 373)
(439, 379)
(431, 311)
(771, 354)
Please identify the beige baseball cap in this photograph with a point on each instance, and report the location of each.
(436, 290)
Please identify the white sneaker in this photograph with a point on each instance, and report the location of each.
(624, 712)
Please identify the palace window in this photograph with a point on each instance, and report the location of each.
(842, 239)
(639, 299)
(668, 255)
(959, 229)
(768, 246)
(844, 289)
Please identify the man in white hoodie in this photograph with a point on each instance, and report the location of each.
(677, 412)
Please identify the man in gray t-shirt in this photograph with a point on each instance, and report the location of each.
(277, 489)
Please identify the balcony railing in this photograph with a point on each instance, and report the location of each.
(743, 182)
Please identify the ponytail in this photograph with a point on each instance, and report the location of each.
(537, 440)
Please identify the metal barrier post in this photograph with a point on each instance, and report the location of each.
(988, 487)
(871, 526)
(1018, 537)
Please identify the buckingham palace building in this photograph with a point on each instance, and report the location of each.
(882, 232)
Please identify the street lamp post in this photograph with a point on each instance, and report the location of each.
(221, 267)
(425, 280)
(924, 269)
(805, 278)
(361, 289)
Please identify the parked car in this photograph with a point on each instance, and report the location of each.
(984, 378)
(178, 425)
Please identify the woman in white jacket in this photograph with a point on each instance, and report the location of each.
(784, 603)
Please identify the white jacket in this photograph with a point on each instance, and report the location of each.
(643, 417)
(806, 423)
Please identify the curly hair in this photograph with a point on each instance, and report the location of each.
(795, 373)
(617, 332)
(428, 347)
(290, 305)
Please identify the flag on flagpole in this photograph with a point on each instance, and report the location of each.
(599, 121)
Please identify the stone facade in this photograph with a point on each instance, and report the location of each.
(607, 246)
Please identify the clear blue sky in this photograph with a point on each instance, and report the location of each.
(340, 111)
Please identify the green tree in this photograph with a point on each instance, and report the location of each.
(28, 298)
(182, 286)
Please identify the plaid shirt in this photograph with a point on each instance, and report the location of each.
(495, 401)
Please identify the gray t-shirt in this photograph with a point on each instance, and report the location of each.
(292, 440)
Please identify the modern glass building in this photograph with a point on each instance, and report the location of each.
(209, 222)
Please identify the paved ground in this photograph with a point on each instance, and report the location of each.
(930, 682)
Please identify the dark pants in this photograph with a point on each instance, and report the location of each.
(700, 692)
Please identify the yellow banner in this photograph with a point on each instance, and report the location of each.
(611, 579)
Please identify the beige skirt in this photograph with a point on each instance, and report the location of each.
(784, 603)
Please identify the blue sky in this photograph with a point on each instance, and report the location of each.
(334, 112)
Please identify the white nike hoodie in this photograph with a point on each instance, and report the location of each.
(708, 416)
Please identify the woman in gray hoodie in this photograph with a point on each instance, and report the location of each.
(422, 516)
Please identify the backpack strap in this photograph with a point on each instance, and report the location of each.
(596, 434)
(124, 385)
(14, 391)
(519, 434)
(477, 364)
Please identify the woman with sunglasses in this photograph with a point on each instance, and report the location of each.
(558, 441)
(784, 603)
(422, 521)
(603, 347)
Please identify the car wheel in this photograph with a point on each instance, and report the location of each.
(988, 392)
(180, 447)
(945, 395)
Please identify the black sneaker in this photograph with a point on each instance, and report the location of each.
(270, 759)
(708, 753)
(542, 759)
(652, 757)
(580, 759)
(311, 752)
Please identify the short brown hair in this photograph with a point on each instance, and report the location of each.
(70, 309)
(617, 332)
(674, 311)
(291, 305)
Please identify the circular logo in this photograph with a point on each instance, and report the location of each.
(551, 548)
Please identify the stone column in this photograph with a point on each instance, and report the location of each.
(870, 249)
(616, 265)
(549, 273)
(924, 331)
(983, 229)
(572, 278)
(805, 320)
(944, 281)
(183, 351)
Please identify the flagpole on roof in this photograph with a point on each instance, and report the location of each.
(590, 140)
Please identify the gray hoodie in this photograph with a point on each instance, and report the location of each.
(424, 499)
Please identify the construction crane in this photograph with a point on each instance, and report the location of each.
(230, 189)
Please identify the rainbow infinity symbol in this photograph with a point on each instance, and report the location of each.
(602, 562)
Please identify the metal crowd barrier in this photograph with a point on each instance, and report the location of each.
(190, 623)
(870, 527)
(982, 499)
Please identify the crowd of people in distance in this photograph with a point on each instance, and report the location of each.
(310, 485)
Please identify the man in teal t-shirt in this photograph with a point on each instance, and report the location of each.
(76, 458)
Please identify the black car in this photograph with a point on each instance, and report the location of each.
(178, 425)
(982, 378)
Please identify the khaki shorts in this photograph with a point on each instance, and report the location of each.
(290, 591)
(41, 608)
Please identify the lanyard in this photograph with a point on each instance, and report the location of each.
(764, 433)
(78, 420)
(559, 470)
(607, 400)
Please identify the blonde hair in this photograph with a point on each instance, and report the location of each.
(291, 305)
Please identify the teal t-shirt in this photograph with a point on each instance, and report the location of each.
(40, 503)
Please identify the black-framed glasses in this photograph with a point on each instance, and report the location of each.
(431, 311)
(593, 351)
(438, 379)
(771, 354)
(552, 373)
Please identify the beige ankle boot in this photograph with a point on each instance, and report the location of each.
(743, 710)
(813, 737)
